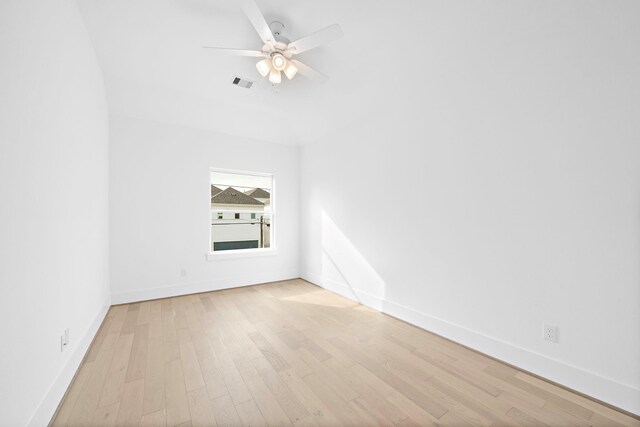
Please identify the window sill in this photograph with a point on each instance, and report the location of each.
(240, 253)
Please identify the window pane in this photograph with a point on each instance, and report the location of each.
(241, 211)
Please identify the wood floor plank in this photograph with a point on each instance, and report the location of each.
(171, 349)
(155, 324)
(603, 411)
(414, 411)
(287, 400)
(269, 352)
(369, 396)
(441, 397)
(138, 360)
(211, 374)
(105, 416)
(130, 322)
(454, 420)
(206, 302)
(201, 408)
(177, 404)
(169, 326)
(117, 316)
(338, 384)
(553, 398)
(154, 387)
(238, 391)
(322, 415)
(306, 422)
(271, 410)
(82, 412)
(290, 357)
(524, 419)
(112, 390)
(598, 420)
(549, 415)
(449, 373)
(296, 339)
(369, 413)
(473, 390)
(291, 353)
(98, 341)
(336, 404)
(225, 413)
(130, 411)
(249, 414)
(154, 419)
(190, 365)
(73, 394)
(145, 310)
(372, 380)
(392, 380)
(467, 401)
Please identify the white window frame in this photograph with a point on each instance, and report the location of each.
(245, 253)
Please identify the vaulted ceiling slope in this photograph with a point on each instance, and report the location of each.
(155, 68)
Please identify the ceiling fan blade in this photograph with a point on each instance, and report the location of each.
(235, 52)
(309, 72)
(257, 20)
(316, 39)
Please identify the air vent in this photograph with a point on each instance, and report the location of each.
(238, 81)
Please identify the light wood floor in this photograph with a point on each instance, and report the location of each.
(291, 353)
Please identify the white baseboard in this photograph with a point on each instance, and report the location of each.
(196, 287)
(49, 404)
(615, 393)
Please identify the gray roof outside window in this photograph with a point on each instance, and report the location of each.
(231, 196)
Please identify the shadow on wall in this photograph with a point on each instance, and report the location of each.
(345, 270)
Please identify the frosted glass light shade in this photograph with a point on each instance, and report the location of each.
(278, 61)
(275, 77)
(290, 70)
(264, 67)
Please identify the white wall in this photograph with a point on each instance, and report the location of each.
(517, 143)
(53, 203)
(160, 209)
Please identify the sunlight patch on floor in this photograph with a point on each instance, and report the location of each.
(323, 298)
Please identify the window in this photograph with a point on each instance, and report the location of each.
(242, 210)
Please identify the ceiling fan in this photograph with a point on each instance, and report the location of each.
(278, 52)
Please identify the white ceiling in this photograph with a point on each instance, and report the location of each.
(408, 59)
(155, 68)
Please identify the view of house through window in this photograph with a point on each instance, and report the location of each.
(241, 211)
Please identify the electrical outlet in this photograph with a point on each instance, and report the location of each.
(183, 272)
(550, 333)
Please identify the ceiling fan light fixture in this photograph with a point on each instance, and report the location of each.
(275, 77)
(290, 70)
(278, 52)
(264, 67)
(278, 61)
